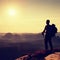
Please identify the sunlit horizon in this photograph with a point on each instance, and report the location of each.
(27, 16)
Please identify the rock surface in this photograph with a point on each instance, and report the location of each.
(54, 56)
(42, 55)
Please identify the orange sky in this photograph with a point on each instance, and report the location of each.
(28, 16)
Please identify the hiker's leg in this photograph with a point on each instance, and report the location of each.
(50, 43)
(46, 44)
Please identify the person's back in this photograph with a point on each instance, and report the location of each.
(48, 30)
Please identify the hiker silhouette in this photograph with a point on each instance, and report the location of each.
(49, 32)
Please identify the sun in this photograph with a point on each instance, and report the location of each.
(12, 12)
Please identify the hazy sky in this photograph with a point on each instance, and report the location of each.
(21, 16)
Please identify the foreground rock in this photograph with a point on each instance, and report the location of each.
(54, 56)
(42, 55)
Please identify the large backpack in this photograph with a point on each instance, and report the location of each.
(53, 30)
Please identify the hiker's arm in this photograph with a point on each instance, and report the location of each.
(44, 31)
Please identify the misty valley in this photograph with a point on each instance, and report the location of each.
(14, 45)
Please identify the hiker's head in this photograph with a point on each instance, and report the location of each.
(47, 22)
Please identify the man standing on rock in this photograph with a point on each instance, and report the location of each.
(48, 37)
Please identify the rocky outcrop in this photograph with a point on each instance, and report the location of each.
(42, 55)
